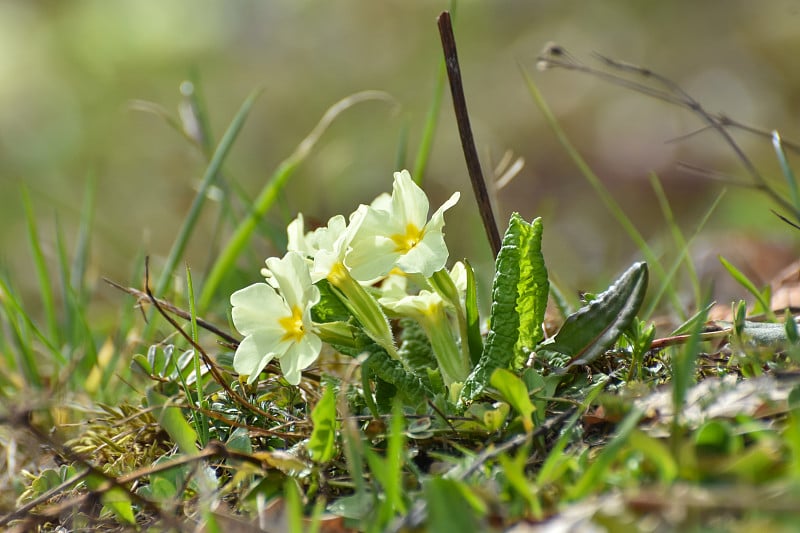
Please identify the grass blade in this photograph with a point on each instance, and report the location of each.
(81, 255)
(429, 131)
(271, 191)
(212, 171)
(594, 475)
(42, 274)
(683, 255)
(745, 282)
(788, 173)
(677, 235)
(596, 184)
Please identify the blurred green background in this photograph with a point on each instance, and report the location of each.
(70, 70)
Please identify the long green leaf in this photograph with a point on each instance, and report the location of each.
(597, 184)
(533, 288)
(788, 173)
(322, 444)
(174, 423)
(745, 282)
(270, 192)
(594, 328)
(45, 287)
(519, 298)
(474, 338)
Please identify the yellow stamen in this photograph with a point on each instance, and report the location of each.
(293, 325)
(408, 240)
(338, 274)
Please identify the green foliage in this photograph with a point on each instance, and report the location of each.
(473, 319)
(761, 296)
(322, 444)
(174, 423)
(444, 497)
(594, 328)
(513, 390)
(519, 298)
(415, 348)
(411, 386)
(788, 173)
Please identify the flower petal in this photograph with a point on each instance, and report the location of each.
(428, 256)
(300, 356)
(294, 280)
(409, 202)
(295, 232)
(371, 258)
(253, 354)
(256, 307)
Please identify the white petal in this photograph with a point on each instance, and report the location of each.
(295, 231)
(299, 357)
(459, 276)
(256, 307)
(371, 259)
(437, 219)
(291, 273)
(428, 256)
(383, 202)
(409, 202)
(252, 355)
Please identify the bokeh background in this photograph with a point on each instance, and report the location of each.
(70, 70)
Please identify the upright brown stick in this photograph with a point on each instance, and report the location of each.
(465, 131)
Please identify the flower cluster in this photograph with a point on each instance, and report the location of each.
(389, 240)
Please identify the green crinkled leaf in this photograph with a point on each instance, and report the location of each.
(415, 348)
(595, 328)
(385, 393)
(519, 298)
(532, 291)
(392, 371)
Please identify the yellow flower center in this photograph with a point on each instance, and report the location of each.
(293, 325)
(338, 274)
(408, 240)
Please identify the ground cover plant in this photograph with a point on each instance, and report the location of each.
(358, 386)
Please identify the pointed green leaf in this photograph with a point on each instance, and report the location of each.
(174, 423)
(322, 444)
(515, 392)
(474, 338)
(115, 498)
(594, 328)
(519, 298)
(745, 282)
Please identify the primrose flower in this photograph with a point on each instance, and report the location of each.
(397, 232)
(324, 251)
(275, 319)
(428, 308)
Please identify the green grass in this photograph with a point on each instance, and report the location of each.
(161, 432)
